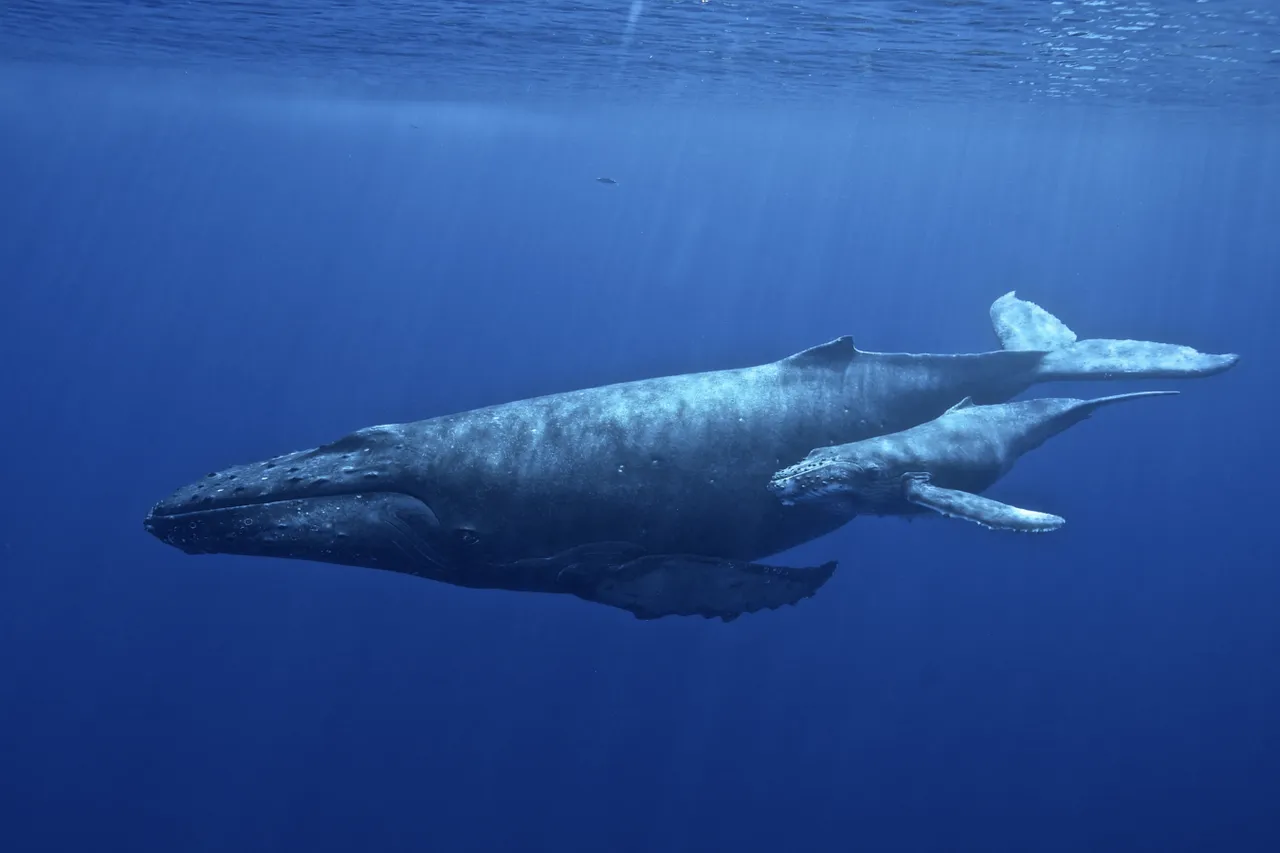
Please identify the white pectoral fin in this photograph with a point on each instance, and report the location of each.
(979, 510)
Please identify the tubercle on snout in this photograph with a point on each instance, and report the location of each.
(800, 469)
(799, 482)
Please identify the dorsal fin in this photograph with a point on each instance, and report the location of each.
(832, 353)
(966, 403)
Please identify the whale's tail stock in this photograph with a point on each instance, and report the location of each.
(1023, 325)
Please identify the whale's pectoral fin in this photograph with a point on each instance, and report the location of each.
(975, 508)
(660, 585)
(1023, 325)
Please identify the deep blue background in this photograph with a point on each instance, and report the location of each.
(194, 278)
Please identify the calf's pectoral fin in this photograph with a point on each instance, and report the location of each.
(660, 585)
(975, 508)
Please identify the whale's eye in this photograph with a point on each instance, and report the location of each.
(467, 537)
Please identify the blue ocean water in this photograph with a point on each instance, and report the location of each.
(233, 229)
(1173, 52)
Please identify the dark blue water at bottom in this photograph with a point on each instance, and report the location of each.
(196, 275)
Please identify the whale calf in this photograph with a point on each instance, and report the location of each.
(651, 496)
(941, 466)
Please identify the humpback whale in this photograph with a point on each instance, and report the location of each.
(942, 465)
(651, 496)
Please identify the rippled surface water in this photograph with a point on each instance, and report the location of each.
(1162, 52)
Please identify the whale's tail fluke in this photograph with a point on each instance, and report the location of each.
(1023, 325)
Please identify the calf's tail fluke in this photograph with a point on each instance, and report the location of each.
(1023, 325)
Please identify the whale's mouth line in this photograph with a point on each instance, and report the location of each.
(374, 528)
(225, 505)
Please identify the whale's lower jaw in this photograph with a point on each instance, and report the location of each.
(377, 530)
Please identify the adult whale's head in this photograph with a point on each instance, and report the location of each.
(359, 501)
